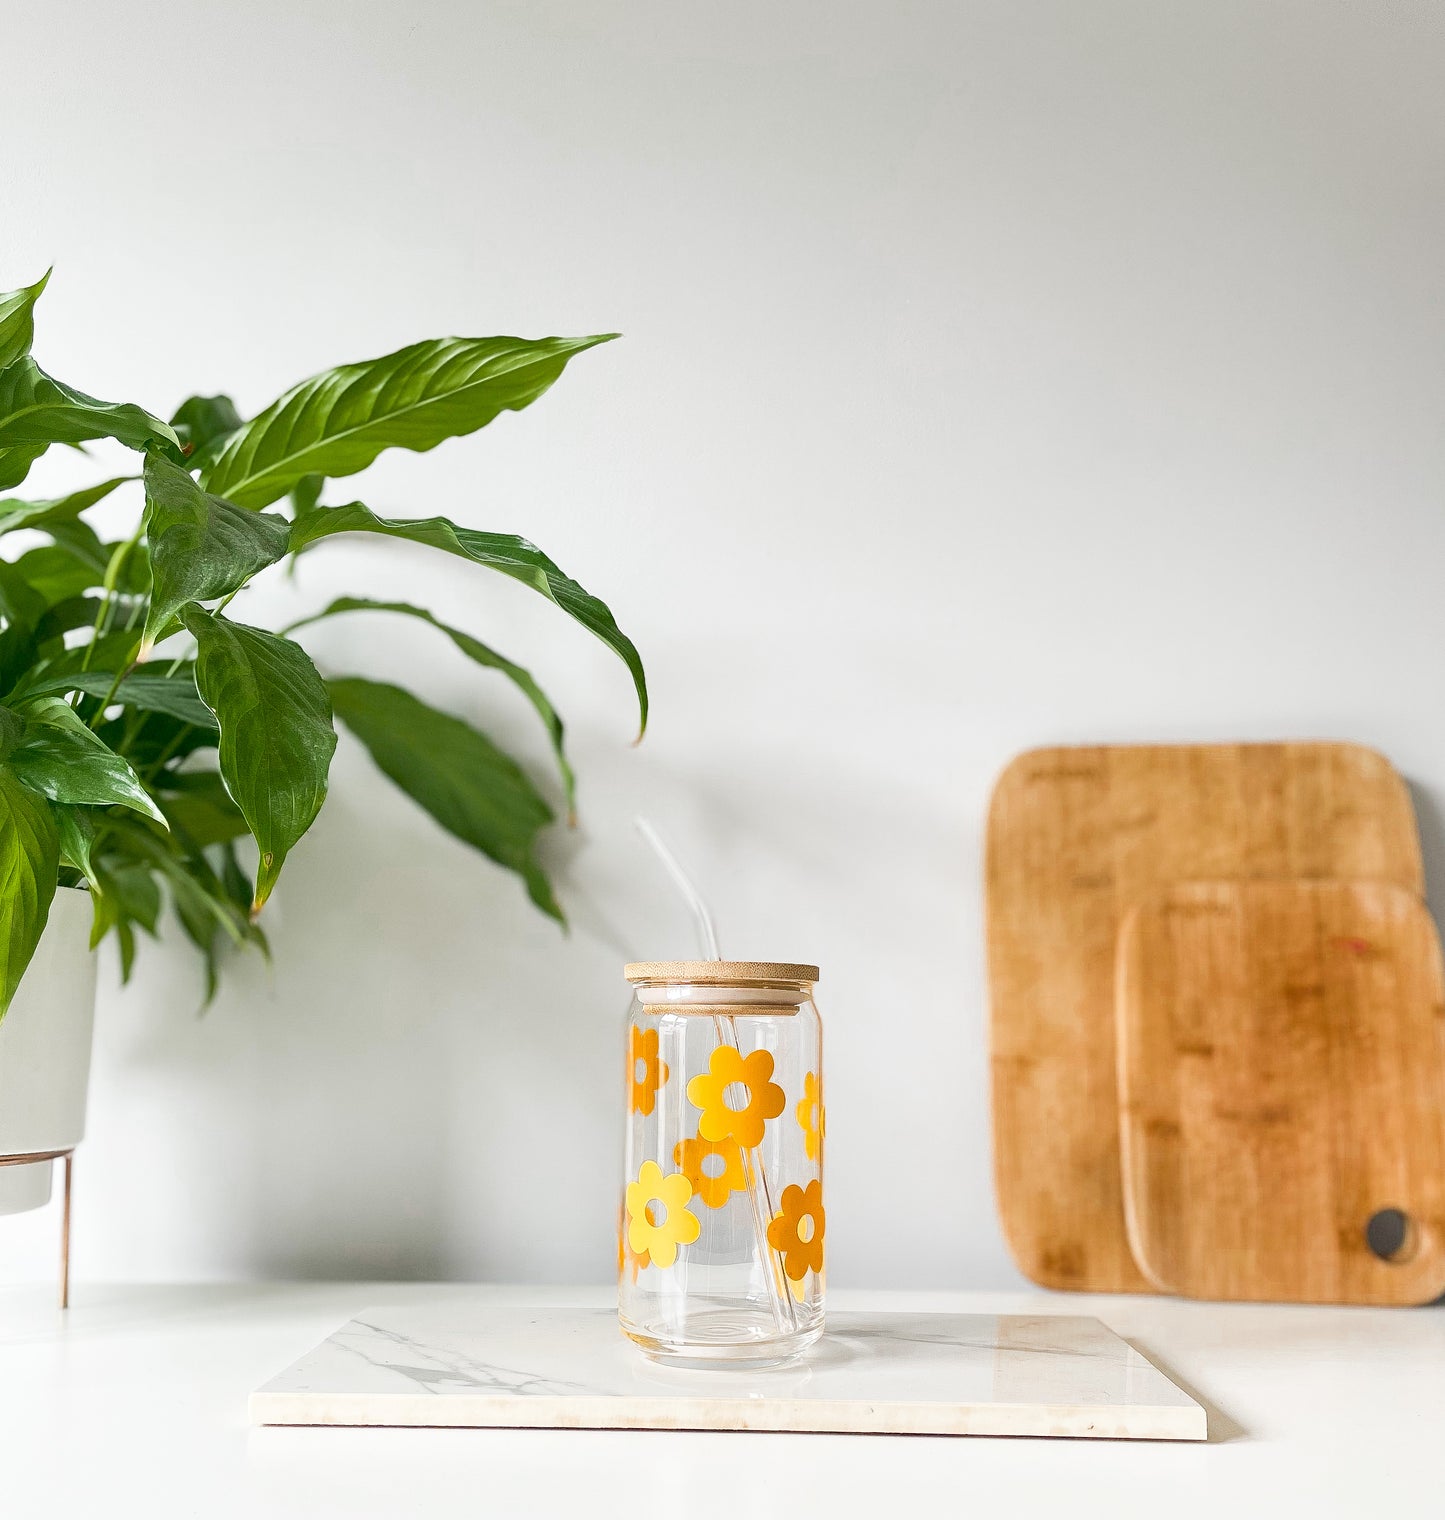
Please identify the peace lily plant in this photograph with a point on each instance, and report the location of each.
(145, 732)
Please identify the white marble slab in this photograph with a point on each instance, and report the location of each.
(905, 1373)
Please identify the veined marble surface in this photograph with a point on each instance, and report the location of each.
(892, 1373)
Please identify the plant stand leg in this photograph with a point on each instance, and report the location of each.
(65, 1235)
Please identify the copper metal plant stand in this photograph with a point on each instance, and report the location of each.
(69, 1158)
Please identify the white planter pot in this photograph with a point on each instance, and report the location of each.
(45, 1052)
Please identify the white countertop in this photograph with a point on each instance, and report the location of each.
(135, 1404)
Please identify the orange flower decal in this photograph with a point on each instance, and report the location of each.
(658, 1218)
(645, 1071)
(714, 1187)
(709, 1091)
(812, 1116)
(796, 1232)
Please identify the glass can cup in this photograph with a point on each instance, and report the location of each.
(721, 1240)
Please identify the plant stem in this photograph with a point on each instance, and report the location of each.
(116, 564)
(172, 745)
(110, 695)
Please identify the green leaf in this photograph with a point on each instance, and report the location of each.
(52, 675)
(337, 422)
(276, 734)
(56, 573)
(125, 936)
(202, 423)
(484, 655)
(237, 886)
(161, 739)
(130, 893)
(505, 552)
(73, 612)
(76, 828)
(17, 320)
(80, 540)
(164, 692)
(29, 872)
(201, 547)
(190, 879)
(15, 462)
(21, 605)
(306, 493)
(200, 929)
(197, 805)
(36, 410)
(456, 773)
(60, 509)
(60, 758)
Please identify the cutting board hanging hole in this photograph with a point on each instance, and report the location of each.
(1392, 1235)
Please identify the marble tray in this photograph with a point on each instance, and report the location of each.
(906, 1373)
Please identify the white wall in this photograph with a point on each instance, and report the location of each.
(994, 374)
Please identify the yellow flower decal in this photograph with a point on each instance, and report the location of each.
(658, 1218)
(626, 1256)
(812, 1116)
(730, 1068)
(645, 1071)
(714, 1187)
(796, 1232)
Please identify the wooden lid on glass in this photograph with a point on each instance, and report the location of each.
(722, 973)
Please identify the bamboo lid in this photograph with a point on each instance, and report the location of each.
(722, 973)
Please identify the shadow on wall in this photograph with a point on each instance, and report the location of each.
(428, 1086)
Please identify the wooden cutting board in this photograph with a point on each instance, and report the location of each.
(1075, 838)
(1281, 1068)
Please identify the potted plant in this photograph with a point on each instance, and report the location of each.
(147, 733)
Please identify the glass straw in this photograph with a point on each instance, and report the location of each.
(759, 1194)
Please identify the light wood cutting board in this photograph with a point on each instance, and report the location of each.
(1281, 1079)
(1075, 838)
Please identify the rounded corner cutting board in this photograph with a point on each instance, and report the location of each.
(1282, 1079)
(1076, 836)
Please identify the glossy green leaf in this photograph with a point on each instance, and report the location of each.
(76, 828)
(504, 552)
(60, 758)
(457, 774)
(146, 691)
(159, 740)
(276, 734)
(60, 509)
(201, 547)
(202, 423)
(337, 422)
(29, 872)
(17, 320)
(37, 410)
(483, 655)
